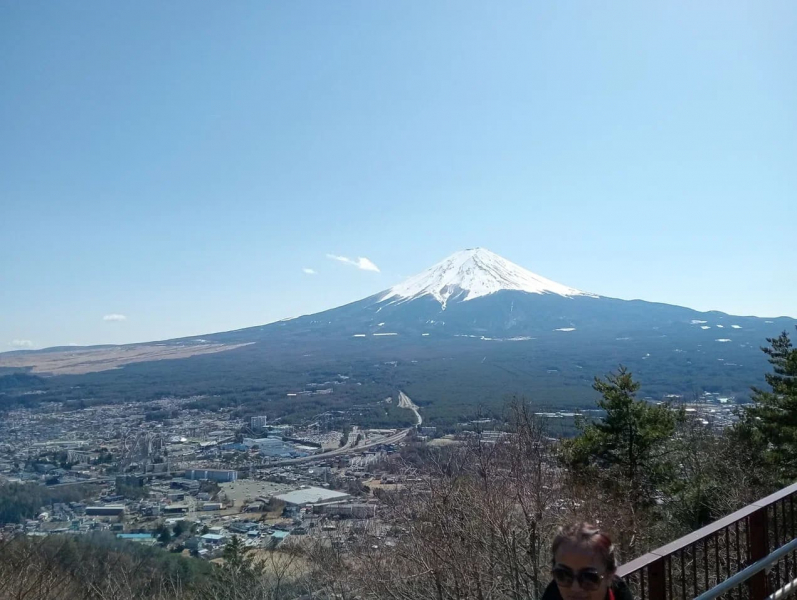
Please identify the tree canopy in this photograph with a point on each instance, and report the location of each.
(769, 424)
(630, 441)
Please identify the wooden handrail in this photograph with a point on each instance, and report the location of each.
(687, 567)
(703, 532)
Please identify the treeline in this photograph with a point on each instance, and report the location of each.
(20, 380)
(100, 567)
(93, 567)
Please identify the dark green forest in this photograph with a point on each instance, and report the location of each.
(23, 501)
(452, 380)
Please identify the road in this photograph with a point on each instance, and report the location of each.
(83, 482)
(350, 448)
(391, 439)
(405, 402)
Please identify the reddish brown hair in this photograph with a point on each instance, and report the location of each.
(586, 534)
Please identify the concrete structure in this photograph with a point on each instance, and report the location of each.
(354, 511)
(278, 537)
(212, 474)
(261, 442)
(130, 480)
(109, 510)
(82, 457)
(243, 527)
(258, 422)
(143, 538)
(214, 539)
(275, 447)
(311, 495)
(63, 444)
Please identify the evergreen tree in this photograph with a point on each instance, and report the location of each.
(629, 443)
(180, 527)
(770, 423)
(164, 537)
(240, 576)
(236, 556)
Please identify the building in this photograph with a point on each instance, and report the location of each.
(244, 527)
(213, 474)
(275, 447)
(492, 436)
(261, 442)
(141, 538)
(214, 539)
(354, 511)
(311, 495)
(109, 510)
(130, 481)
(82, 457)
(258, 422)
(62, 444)
(278, 537)
(190, 485)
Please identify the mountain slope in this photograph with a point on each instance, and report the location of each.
(469, 330)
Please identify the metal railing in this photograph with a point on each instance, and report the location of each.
(699, 562)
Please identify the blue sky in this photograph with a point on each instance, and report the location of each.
(181, 163)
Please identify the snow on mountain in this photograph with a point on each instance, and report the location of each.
(474, 273)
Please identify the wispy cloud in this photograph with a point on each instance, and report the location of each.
(114, 317)
(361, 262)
(21, 343)
(309, 271)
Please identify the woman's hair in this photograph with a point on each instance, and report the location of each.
(586, 534)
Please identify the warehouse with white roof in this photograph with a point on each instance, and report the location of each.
(311, 495)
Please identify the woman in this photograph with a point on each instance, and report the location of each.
(584, 564)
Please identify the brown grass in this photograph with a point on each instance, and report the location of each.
(90, 360)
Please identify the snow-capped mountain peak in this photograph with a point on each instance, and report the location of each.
(473, 273)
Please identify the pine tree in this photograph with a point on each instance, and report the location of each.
(771, 421)
(164, 537)
(180, 527)
(240, 576)
(630, 441)
(234, 553)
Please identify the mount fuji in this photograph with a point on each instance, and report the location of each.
(477, 293)
(475, 273)
(469, 330)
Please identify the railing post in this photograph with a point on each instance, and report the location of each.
(657, 584)
(758, 537)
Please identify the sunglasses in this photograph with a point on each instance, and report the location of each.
(588, 579)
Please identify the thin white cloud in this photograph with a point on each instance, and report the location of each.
(309, 271)
(21, 343)
(366, 265)
(114, 317)
(361, 262)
